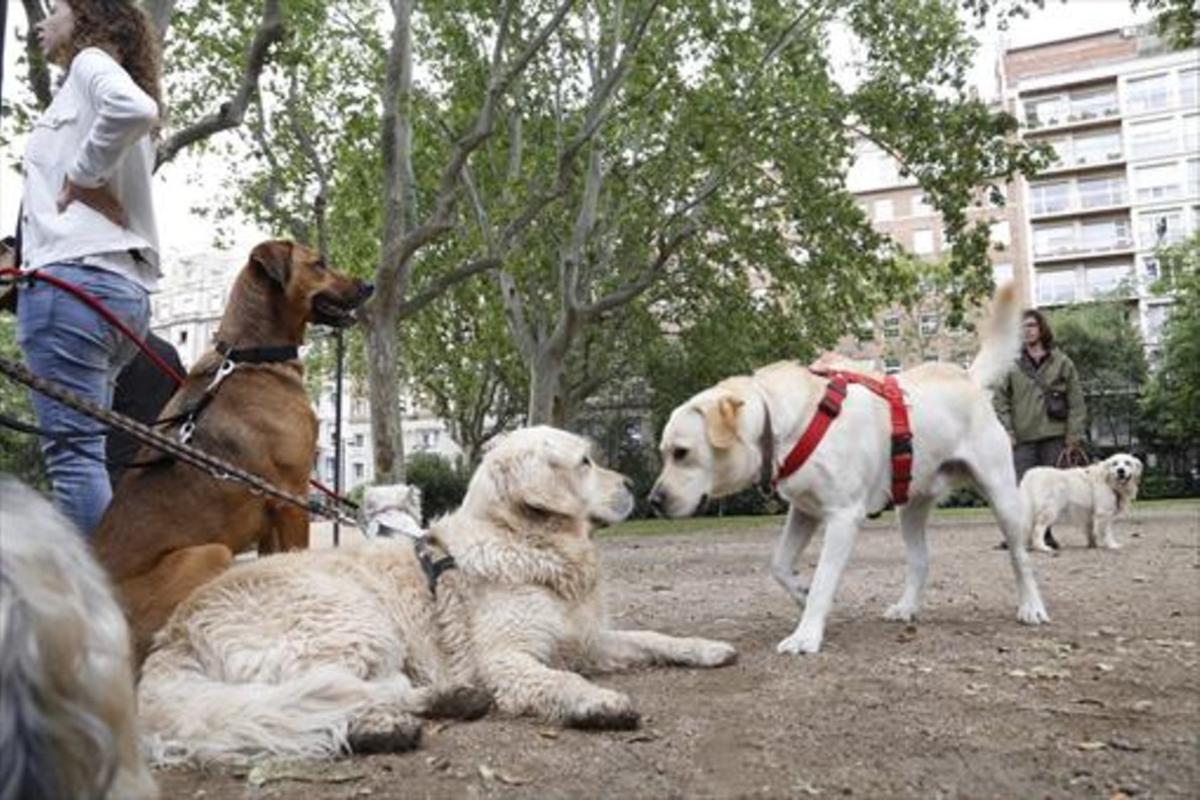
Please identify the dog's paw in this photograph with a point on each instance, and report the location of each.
(383, 733)
(607, 711)
(797, 645)
(1112, 546)
(900, 612)
(714, 654)
(460, 702)
(1032, 614)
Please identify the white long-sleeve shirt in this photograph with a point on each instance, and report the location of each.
(96, 132)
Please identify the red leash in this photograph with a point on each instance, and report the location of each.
(112, 319)
(831, 406)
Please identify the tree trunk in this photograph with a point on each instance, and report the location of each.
(545, 389)
(383, 382)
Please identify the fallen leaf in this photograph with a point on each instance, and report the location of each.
(486, 772)
(1018, 673)
(970, 669)
(1140, 579)
(1174, 643)
(1125, 745)
(641, 737)
(548, 733)
(438, 763)
(908, 634)
(661, 587)
(1102, 667)
(1090, 746)
(1142, 706)
(1090, 701)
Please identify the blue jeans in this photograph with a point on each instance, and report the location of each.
(67, 342)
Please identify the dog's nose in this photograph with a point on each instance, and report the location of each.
(657, 498)
(365, 290)
(629, 487)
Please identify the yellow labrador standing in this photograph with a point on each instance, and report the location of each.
(721, 440)
(312, 653)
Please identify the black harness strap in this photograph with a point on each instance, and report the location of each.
(433, 567)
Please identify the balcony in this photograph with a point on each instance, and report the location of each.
(1076, 119)
(1075, 251)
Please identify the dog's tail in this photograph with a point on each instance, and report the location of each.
(189, 717)
(1000, 337)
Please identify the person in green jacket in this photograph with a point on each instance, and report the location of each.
(1040, 403)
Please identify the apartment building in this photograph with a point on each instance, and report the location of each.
(187, 311)
(899, 338)
(1121, 113)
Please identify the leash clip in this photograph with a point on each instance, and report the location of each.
(185, 431)
(223, 372)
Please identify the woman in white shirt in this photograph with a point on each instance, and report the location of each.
(87, 217)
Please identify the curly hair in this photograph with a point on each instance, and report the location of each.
(122, 30)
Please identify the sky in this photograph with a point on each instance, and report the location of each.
(183, 233)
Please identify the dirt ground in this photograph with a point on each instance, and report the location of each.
(1104, 702)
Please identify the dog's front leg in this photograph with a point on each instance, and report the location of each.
(287, 529)
(1102, 525)
(797, 532)
(618, 650)
(840, 531)
(523, 685)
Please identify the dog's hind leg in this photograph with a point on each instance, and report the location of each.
(797, 533)
(387, 722)
(150, 598)
(840, 531)
(998, 483)
(913, 518)
(287, 529)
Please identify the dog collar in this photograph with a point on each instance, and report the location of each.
(432, 566)
(258, 355)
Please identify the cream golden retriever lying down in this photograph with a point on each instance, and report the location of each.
(1090, 497)
(727, 437)
(314, 653)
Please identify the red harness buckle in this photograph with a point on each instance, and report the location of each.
(830, 406)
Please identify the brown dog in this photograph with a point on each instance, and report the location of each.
(172, 527)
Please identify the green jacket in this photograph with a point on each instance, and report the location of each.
(1022, 408)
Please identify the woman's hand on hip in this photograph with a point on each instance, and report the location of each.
(98, 199)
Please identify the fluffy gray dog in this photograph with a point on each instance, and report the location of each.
(67, 716)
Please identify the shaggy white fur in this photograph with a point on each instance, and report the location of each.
(1090, 497)
(67, 717)
(314, 653)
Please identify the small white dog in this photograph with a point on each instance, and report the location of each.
(1091, 497)
(317, 652)
(392, 510)
(67, 716)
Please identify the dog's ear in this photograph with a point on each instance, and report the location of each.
(274, 258)
(529, 480)
(720, 420)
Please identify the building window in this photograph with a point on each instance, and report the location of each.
(1105, 234)
(1096, 148)
(1062, 150)
(1156, 318)
(1056, 286)
(891, 326)
(1160, 182)
(1193, 177)
(1189, 88)
(1150, 267)
(929, 324)
(1105, 191)
(1150, 139)
(183, 337)
(891, 365)
(330, 467)
(359, 440)
(923, 241)
(360, 470)
(1191, 133)
(333, 436)
(1160, 228)
(1049, 240)
(1050, 197)
(1002, 273)
(1106, 280)
(1092, 103)
(1000, 234)
(1147, 94)
(1046, 111)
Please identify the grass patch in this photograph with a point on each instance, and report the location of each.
(661, 527)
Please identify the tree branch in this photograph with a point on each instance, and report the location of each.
(437, 286)
(309, 149)
(296, 226)
(233, 111)
(39, 71)
(624, 294)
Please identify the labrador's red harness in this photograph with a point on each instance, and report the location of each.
(831, 406)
